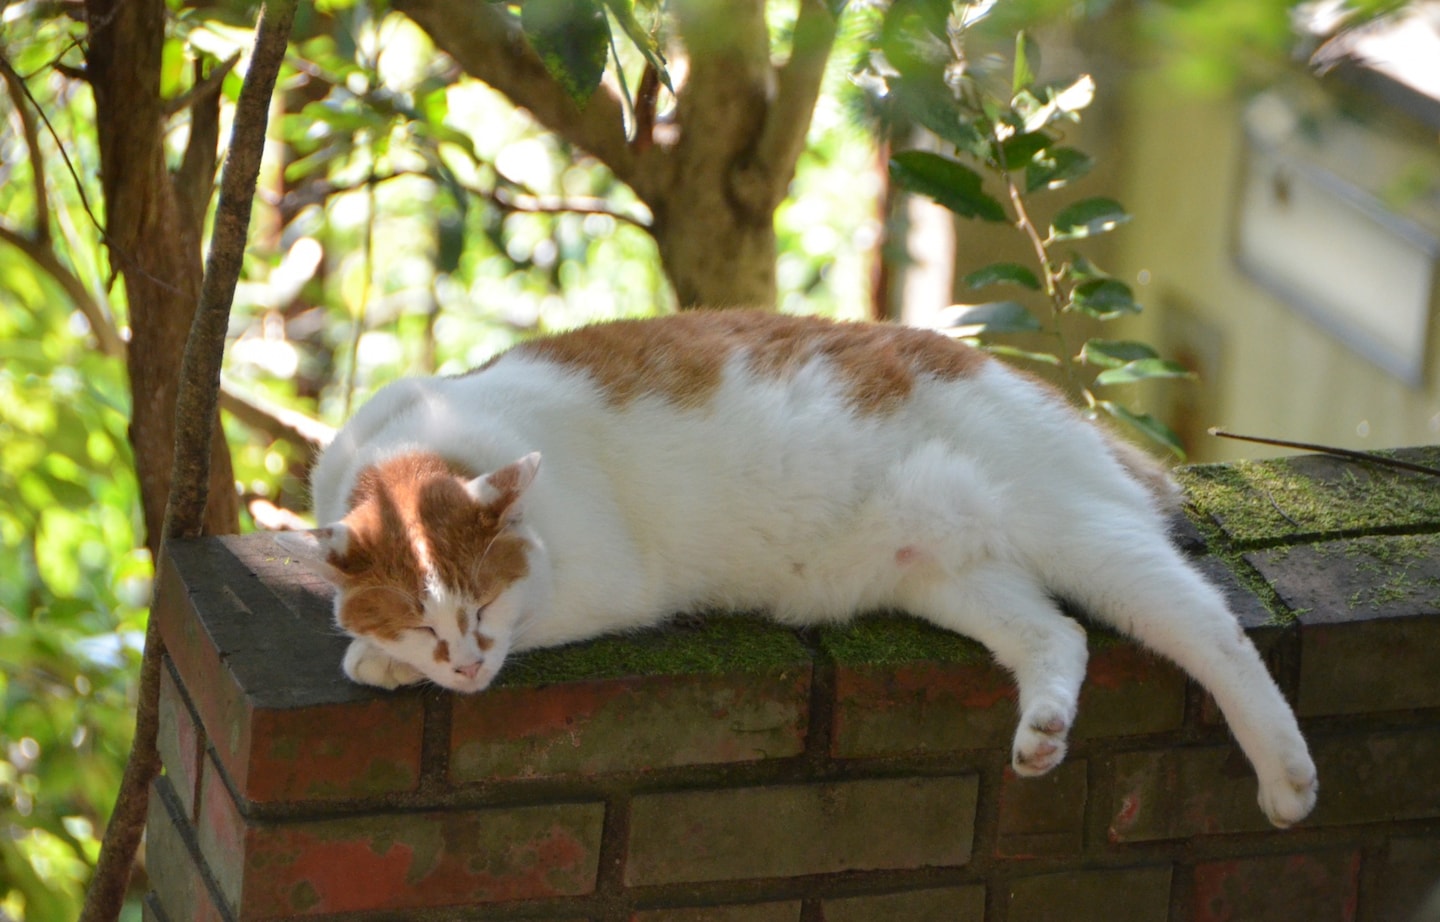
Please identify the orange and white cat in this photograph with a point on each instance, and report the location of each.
(747, 460)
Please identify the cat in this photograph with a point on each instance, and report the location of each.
(750, 460)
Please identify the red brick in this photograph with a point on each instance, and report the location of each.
(1316, 887)
(1127, 895)
(793, 830)
(278, 743)
(947, 904)
(179, 741)
(753, 912)
(176, 881)
(397, 861)
(1128, 691)
(883, 710)
(1410, 881)
(1043, 816)
(1369, 666)
(629, 724)
(1180, 792)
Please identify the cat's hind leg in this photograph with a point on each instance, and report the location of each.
(1012, 615)
(1141, 585)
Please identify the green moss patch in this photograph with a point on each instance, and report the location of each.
(896, 640)
(689, 645)
(1258, 503)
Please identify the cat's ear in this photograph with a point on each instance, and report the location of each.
(318, 549)
(500, 490)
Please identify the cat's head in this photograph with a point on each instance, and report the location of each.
(432, 566)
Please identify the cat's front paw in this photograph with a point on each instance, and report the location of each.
(1289, 795)
(1040, 741)
(367, 664)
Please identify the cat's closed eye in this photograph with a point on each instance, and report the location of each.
(427, 629)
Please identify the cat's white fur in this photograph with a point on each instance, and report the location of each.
(974, 504)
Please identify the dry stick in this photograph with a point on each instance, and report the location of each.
(1364, 456)
(195, 414)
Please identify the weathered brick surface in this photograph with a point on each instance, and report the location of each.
(417, 860)
(1178, 792)
(1410, 881)
(945, 904)
(1129, 895)
(1378, 777)
(792, 830)
(1043, 816)
(175, 878)
(925, 707)
(786, 911)
(1321, 887)
(1128, 691)
(179, 741)
(637, 724)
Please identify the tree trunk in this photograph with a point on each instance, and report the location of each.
(714, 183)
(153, 222)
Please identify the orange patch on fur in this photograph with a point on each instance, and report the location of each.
(442, 652)
(484, 642)
(411, 517)
(682, 357)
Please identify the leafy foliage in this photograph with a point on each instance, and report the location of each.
(1013, 133)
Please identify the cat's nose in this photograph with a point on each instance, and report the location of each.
(468, 671)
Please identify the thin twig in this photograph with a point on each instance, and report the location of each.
(195, 416)
(1363, 456)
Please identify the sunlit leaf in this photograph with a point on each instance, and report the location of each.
(1087, 218)
(643, 40)
(572, 38)
(1010, 352)
(1027, 62)
(1147, 425)
(994, 317)
(1143, 370)
(1020, 148)
(952, 184)
(996, 273)
(1056, 167)
(930, 104)
(1108, 353)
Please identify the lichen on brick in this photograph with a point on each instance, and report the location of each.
(688, 645)
(897, 640)
(1271, 502)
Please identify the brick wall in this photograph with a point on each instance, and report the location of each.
(727, 770)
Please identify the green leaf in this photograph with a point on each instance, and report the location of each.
(1010, 352)
(996, 273)
(948, 182)
(1027, 61)
(927, 102)
(1110, 353)
(1020, 148)
(1056, 167)
(1103, 299)
(640, 37)
(1143, 370)
(1059, 103)
(995, 317)
(572, 38)
(1147, 425)
(1087, 218)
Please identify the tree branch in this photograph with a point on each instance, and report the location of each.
(798, 89)
(101, 323)
(195, 418)
(19, 97)
(488, 45)
(297, 429)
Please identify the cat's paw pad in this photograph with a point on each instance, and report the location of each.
(1289, 796)
(369, 665)
(1040, 742)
